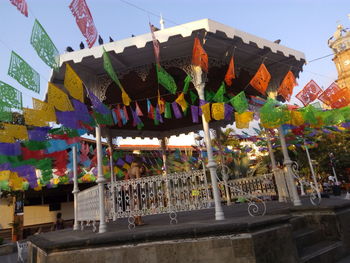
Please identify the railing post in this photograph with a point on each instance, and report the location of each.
(100, 180)
(288, 170)
(199, 85)
(75, 188)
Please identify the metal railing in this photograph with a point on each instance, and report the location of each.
(187, 191)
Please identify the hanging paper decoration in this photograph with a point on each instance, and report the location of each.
(228, 112)
(24, 73)
(176, 110)
(309, 93)
(41, 115)
(193, 97)
(187, 82)
(242, 120)
(73, 83)
(326, 96)
(194, 113)
(209, 95)
(17, 131)
(167, 112)
(10, 97)
(21, 6)
(230, 74)
(81, 12)
(287, 86)
(206, 111)
(38, 133)
(155, 120)
(218, 111)
(239, 102)
(199, 56)
(81, 111)
(341, 98)
(261, 79)
(68, 119)
(156, 48)
(150, 109)
(44, 46)
(161, 103)
(309, 115)
(219, 95)
(58, 99)
(181, 101)
(166, 80)
(97, 104)
(296, 118)
(5, 114)
(10, 149)
(272, 116)
(138, 110)
(105, 119)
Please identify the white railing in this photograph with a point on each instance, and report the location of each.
(170, 194)
(88, 206)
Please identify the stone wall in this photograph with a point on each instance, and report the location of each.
(269, 245)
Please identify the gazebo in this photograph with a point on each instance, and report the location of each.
(134, 62)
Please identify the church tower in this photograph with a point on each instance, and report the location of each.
(340, 44)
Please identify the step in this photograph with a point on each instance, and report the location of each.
(298, 222)
(322, 252)
(307, 237)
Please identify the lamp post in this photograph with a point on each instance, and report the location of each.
(332, 158)
(199, 84)
(312, 170)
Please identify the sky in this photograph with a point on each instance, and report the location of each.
(304, 25)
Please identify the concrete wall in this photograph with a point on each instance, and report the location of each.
(33, 215)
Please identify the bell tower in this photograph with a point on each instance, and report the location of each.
(340, 44)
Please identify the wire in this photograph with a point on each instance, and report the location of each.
(315, 59)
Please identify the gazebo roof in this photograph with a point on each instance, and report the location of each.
(133, 60)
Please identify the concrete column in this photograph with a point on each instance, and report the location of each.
(199, 85)
(280, 181)
(75, 187)
(288, 170)
(111, 167)
(101, 181)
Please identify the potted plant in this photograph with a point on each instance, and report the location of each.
(15, 230)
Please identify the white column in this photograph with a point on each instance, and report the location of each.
(312, 169)
(111, 167)
(75, 188)
(163, 146)
(288, 170)
(100, 180)
(199, 85)
(280, 181)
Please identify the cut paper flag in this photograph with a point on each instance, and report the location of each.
(176, 110)
(73, 83)
(206, 111)
(341, 98)
(83, 17)
(161, 103)
(181, 101)
(24, 73)
(242, 120)
(194, 113)
(193, 96)
(327, 96)
(187, 82)
(138, 110)
(58, 99)
(239, 102)
(46, 108)
(44, 46)
(309, 93)
(261, 79)
(10, 97)
(218, 111)
(167, 111)
(156, 48)
(228, 112)
(287, 86)
(125, 97)
(199, 56)
(21, 6)
(166, 80)
(219, 95)
(230, 74)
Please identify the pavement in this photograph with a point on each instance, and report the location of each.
(10, 258)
